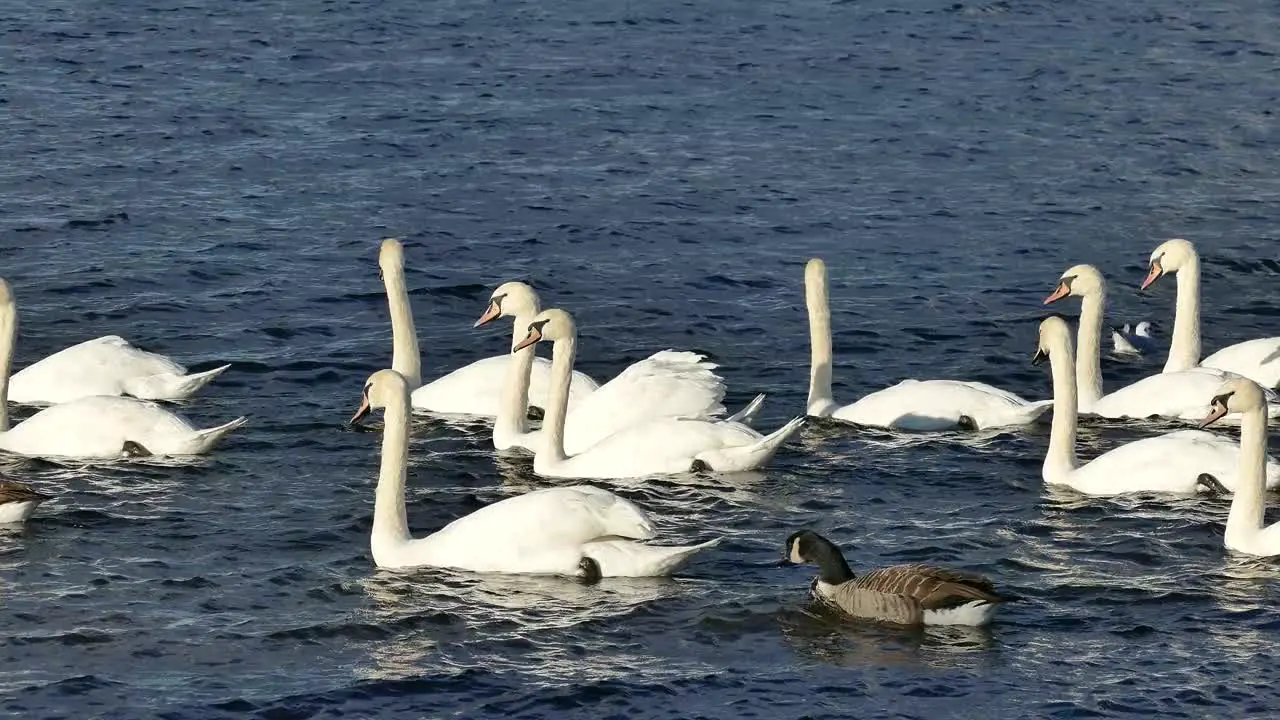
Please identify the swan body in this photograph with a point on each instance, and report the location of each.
(1135, 341)
(666, 384)
(1171, 463)
(474, 389)
(18, 501)
(663, 445)
(911, 404)
(1181, 394)
(106, 366)
(1258, 359)
(95, 427)
(578, 531)
(914, 594)
(1246, 529)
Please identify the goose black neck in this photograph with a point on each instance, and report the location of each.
(832, 569)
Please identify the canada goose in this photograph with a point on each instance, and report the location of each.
(912, 594)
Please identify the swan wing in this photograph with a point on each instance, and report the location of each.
(669, 383)
(98, 427)
(659, 446)
(1184, 394)
(939, 405)
(94, 367)
(1257, 359)
(476, 389)
(1166, 463)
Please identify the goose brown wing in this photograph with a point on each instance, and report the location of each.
(932, 587)
(875, 605)
(11, 491)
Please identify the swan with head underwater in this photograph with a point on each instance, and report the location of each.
(914, 594)
(95, 427)
(669, 383)
(474, 389)
(911, 404)
(1246, 529)
(1175, 394)
(658, 446)
(578, 531)
(1257, 359)
(1186, 461)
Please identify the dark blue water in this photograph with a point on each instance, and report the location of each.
(211, 180)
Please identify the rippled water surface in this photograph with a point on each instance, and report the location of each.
(211, 179)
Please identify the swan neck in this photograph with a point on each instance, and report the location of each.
(1061, 460)
(1089, 359)
(1184, 349)
(513, 410)
(405, 358)
(390, 522)
(1248, 505)
(562, 355)
(819, 341)
(8, 336)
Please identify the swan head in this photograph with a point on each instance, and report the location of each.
(380, 390)
(391, 256)
(553, 324)
(511, 299)
(1170, 257)
(815, 271)
(1237, 395)
(1053, 333)
(1080, 281)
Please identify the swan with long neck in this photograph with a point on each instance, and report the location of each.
(95, 427)
(474, 389)
(911, 404)
(578, 531)
(1257, 359)
(1186, 461)
(1246, 530)
(668, 383)
(661, 445)
(1175, 394)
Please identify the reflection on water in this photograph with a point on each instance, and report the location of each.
(829, 637)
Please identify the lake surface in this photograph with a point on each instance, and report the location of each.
(211, 180)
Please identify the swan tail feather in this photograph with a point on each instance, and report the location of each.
(1029, 413)
(623, 558)
(168, 386)
(753, 456)
(747, 415)
(204, 440)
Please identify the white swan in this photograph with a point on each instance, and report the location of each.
(1133, 340)
(18, 501)
(474, 389)
(666, 384)
(664, 445)
(1177, 394)
(1257, 359)
(911, 404)
(105, 366)
(97, 426)
(1246, 532)
(576, 531)
(1177, 462)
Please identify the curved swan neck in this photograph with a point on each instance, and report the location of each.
(815, 296)
(8, 336)
(1184, 349)
(390, 522)
(404, 337)
(1061, 458)
(1248, 506)
(513, 410)
(562, 355)
(1089, 357)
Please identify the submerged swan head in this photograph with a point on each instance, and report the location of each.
(553, 324)
(1238, 395)
(1079, 281)
(380, 390)
(511, 299)
(1053, 333)
(1170, 257)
